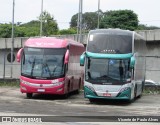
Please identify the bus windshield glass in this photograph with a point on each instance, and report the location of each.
(108, 71)
(43, 63)
(109, 43)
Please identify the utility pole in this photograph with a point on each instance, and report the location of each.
(80, 20)
(41, 22)
(98, 13)
(12, 47)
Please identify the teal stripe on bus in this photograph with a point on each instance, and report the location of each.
(110, 56)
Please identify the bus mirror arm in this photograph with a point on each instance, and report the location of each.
(82, 59)
(132, 62)
(19, 53)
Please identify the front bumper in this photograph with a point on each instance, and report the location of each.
(126, 94)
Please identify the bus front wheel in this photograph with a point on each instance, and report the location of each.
(29, 95)
(79, 87)
(135, 92)
(92, 100)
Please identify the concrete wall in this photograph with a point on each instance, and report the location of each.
(5, 65)
(150, 35)
(5, 43)
(153, 61)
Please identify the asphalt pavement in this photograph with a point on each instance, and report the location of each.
(76, 107)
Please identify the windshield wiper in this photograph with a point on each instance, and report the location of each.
(54, 70)
(45, 65)
(48, 69)
(33, 64)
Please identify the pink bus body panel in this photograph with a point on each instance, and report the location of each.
(35, 85)
(19, 55)
(50, 42)
(28, 85)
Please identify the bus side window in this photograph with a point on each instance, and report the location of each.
(89, 61)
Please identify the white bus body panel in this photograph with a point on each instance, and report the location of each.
(110, 89)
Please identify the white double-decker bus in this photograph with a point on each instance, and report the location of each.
(114, 64)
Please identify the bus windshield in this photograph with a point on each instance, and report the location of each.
(108, 71)
(43, 63)
(109, 43)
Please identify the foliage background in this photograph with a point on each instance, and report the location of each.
(123, 19)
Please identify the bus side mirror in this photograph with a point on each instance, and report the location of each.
(132, 62)
(19, 55)
(82, 59)
(66, 59)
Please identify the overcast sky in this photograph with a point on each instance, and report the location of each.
(148, 11)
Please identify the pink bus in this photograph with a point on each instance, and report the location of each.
(50, 66)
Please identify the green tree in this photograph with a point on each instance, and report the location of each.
(123, 19)
(5, 30)
(89, 20)
(67, 31)
(50, 25)
(74, 19)
(29, 29)
(23, 30)
(144, 27)
(19, 31)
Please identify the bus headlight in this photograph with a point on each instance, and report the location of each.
(24, 82)
(58, 83)
(91, 88)
(124, 89)
(125, 92)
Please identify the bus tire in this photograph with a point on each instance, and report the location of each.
(68, 87)
(139, 96)
(135, 92)
(79, 87)
(29, 95)
(143, 83)
(65, 96)
(92, 100)
(80, 83)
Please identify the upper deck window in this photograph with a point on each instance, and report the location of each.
(109, 43)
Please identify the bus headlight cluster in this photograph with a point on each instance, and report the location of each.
(29, 83)
(58, 83)
(124, 89)
(90, 87)
(24, 82)
(42, 85)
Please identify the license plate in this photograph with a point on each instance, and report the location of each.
(106, 94)
(41, 90)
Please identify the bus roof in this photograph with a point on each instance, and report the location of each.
(50, 42)
(112, 31)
